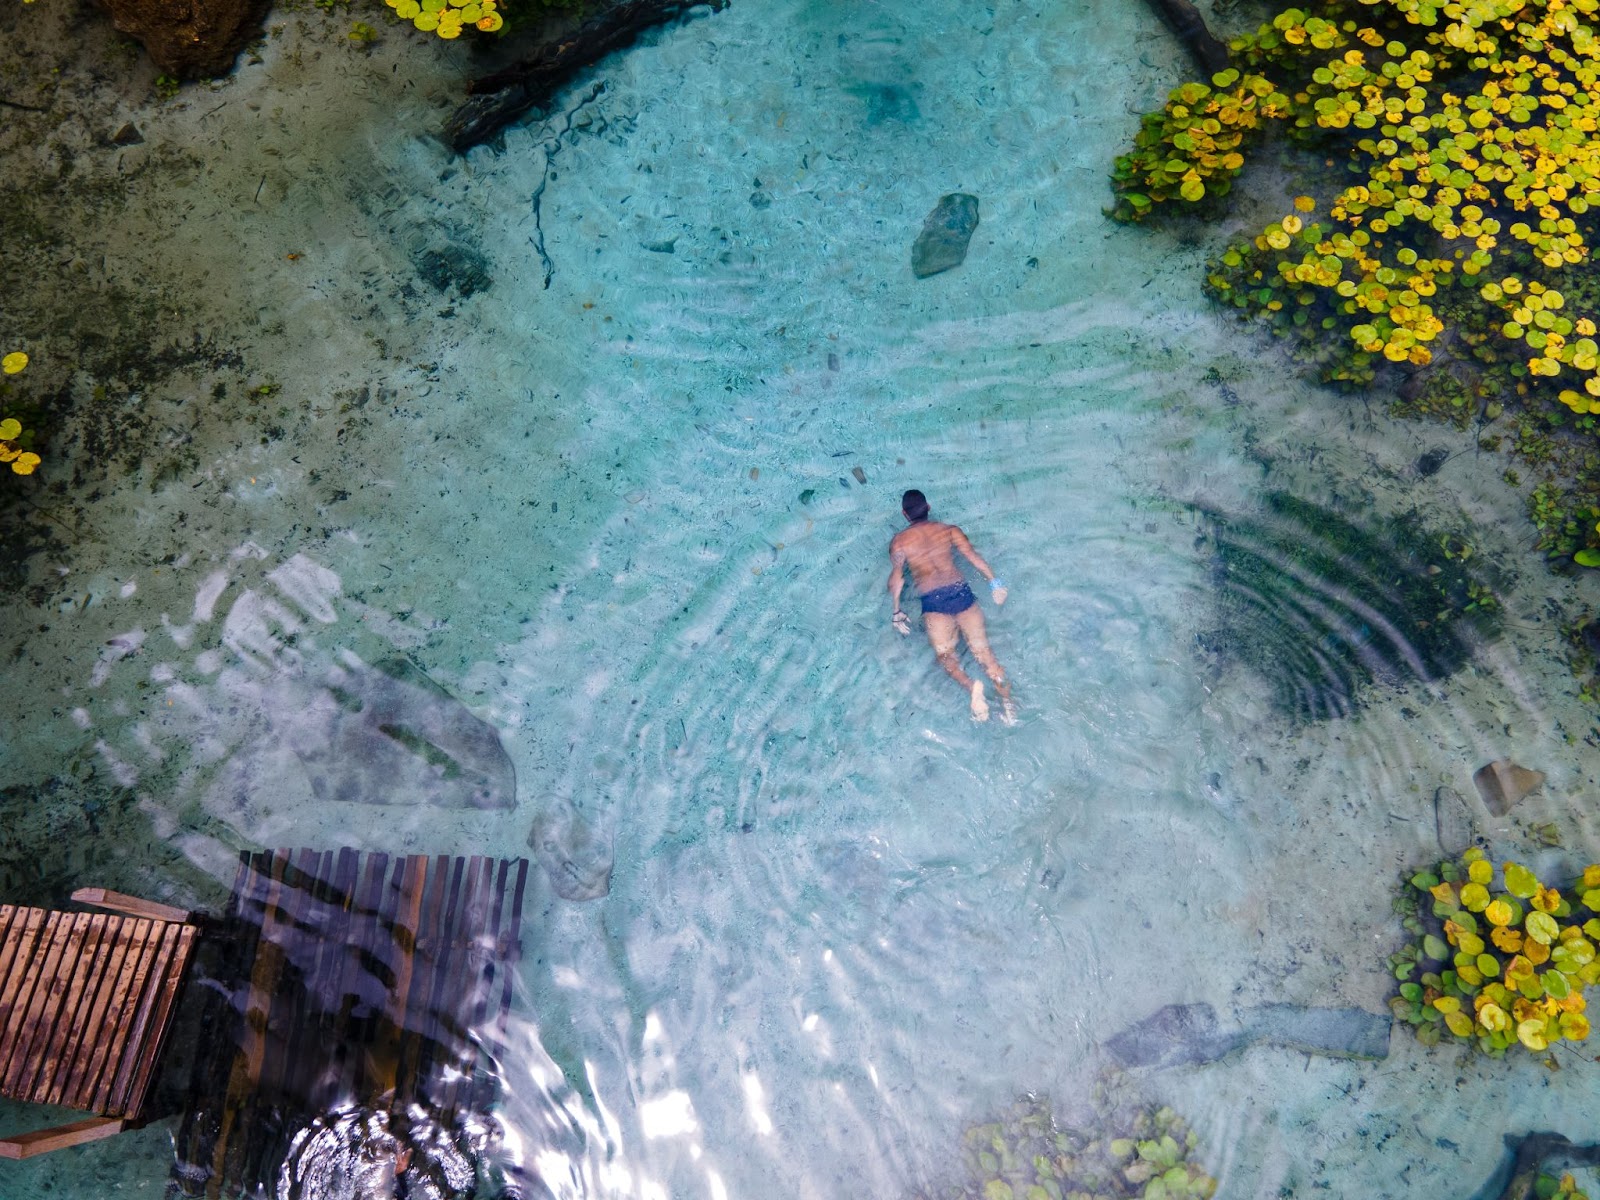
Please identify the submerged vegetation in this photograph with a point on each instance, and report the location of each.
(1321, 606)
(16, 443)
(1496, 967)
(1138, 1151)
(1450, 238)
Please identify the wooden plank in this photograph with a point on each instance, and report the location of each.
(240, 1091)
(477, 928)
(42, 1055)
(435, 950)
(508, 949)
(144, 939)
(22, 927)
(201, 1140)
(41, 1141)
(10, 914)
(351, 889)
(19, 980)
(155, 1042)
(130, 906)
(245, 1099)
(118, 943)
(360, 1019)
(43, 991)
(324, 924)
(146, 1026)
(84, 984)
(403, 943)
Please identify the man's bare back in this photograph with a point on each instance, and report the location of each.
(949, 609)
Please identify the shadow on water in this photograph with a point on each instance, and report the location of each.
(1323, 605)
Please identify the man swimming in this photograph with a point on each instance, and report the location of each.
(949, 609)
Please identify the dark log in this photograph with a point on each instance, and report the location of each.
(1528, 1157)
(1189, 27)
(500, 98)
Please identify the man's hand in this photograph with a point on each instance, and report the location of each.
(997, 592)
(902, 623)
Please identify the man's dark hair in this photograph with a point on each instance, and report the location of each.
(915, 505)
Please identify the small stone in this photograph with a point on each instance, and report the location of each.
(760, 200)
(1503, 784)
(942, 244)
(670, 246)
(128, 135)
(833, 362)
(861, 476)
(755, 474)
(1429, 463)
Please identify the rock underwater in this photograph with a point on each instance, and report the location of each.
(573, 852)
(189, 38)
(942, 244)
(1188, 1034)
(388, 734)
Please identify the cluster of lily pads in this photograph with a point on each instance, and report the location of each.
(1548, 1187)
(1143, 1152)
(447, 18)
(1496, 966)
(1470, 127)
(14, 440)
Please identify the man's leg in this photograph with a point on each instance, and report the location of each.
(970, 623)
(943, 636)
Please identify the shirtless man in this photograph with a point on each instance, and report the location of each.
(949, 609)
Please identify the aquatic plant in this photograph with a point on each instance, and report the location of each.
(1455, 224)
(1496, 966)
(1548, 1187)
(448, 18)
(1139, 1151)
(15, 442)
(1321, 606)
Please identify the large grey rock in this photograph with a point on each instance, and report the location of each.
(388, 734)
(942, 244)
(575, 854)
(1503, 784)
(1189, 1034)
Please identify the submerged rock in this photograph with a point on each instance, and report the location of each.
(1189, 1034)
(574, 854)
(1503, 784)
(942, 244)
(388, 734)
(1452, 822)
(189, 38)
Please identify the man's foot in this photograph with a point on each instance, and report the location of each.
(980, 706)
(1008, 711)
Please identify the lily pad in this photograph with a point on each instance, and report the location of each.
(1520, 881)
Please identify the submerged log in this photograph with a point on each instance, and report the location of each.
(500, 98)
(1189, 27)
(1528, 1157)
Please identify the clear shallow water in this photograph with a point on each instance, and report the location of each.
(843, 922)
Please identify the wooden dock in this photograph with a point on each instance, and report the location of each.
(86, 1000)
(368, 979)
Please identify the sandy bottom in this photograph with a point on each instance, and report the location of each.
(636, 520)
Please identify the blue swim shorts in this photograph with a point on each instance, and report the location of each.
(951, 599)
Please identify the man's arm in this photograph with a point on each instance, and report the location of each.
(960, 542)
(897, 583)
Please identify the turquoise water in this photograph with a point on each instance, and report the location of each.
(621, 519)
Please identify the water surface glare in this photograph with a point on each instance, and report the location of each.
(637, 521)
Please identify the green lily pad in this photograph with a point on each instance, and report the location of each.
(1520, 881)
(1435, 948)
